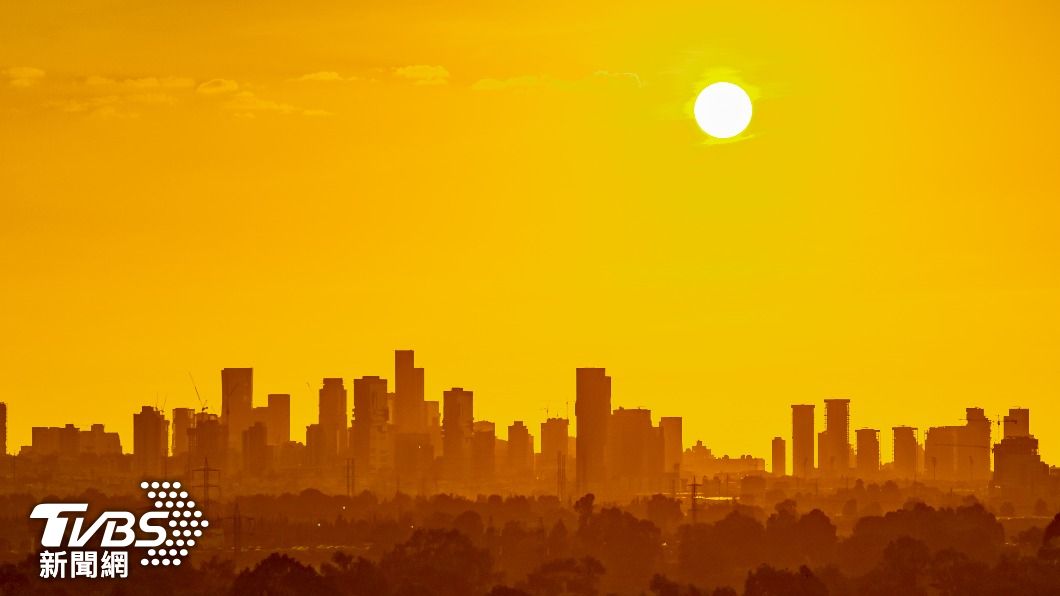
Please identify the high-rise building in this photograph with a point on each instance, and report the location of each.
(673, 444)
(409, 412)
(69, 441)
(868, 453)
(833, 457)
(208, 442)
(1017, 423)
(959, 453)
(1020, 475)
(802, 437)
(3, 428)
(780, 457)
(237, 390)
(520, 457)
(332, 420)
(592, 411)
(434, 424)
(256, 454)
(183, 419)
(630, 438)
(150, 441)
(483, 452)
(906, 452)
(278, 422)
(457, 429)
(555, 444)
(373, 449)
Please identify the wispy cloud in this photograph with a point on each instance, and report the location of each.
(509, 83)
(217, 86)
(423, 74)
(324, 76)
(23, 76)
(142, 83)
(246, 104)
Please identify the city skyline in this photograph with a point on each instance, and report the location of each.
(383, 429)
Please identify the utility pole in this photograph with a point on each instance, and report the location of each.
(694, 485)
(206, 485)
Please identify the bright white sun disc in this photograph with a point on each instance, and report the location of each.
(723, 110)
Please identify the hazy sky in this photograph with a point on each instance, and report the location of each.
(516, 192)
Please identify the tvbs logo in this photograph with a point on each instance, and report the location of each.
(167, 532)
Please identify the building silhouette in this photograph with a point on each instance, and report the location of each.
(906, 452)
(555, 452)
(371, 427)
(237, 390)
(959, 453)
(457, 429)
(833, 443)
(780, 456)
(409, 412)
(332, 417)
(592, 411)
(1017, 423)
(671, 428)
(1020, 475)
(278, 418)
(519, 460)
(483, 452)
(208, 442)
(3, 428)
(802, 438)
(150, 441)
(868, 452)
(182, 419)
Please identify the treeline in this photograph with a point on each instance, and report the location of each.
(530, 547)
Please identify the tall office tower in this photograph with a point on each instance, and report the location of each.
(434, 424)
(673, 444)
(409, 411)
(483, 452)
(555, 447)
(833, 458)
(237, 390)
(208, 443)
(371, 421)
(278, 419)
(1017, 423)
(868, 454)
(905, 452)
(780, 457)
(520, 456)
(3, 428)
(802, 437)
(959, 453)
(183, 419)
(256, 454)
(150, 441)
(457, 428)
(592, 412)
(629, 441)
(332, 419)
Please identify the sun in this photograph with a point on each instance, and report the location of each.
(723, 110)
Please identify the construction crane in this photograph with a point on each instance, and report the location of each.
(202, 402)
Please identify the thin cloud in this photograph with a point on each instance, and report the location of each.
(324, 76)
(423, 74)
(246, 105)
(142, 83)
(509, 83)
(217, 87)
(23, 76)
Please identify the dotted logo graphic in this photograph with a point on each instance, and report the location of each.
(185, 523)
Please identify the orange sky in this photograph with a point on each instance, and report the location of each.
(515, 192)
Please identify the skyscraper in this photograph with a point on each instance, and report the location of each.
(1017, 423)
(780, 457)
(371, 421)
(673, 444)
(629, 446)
(802, 437)
(906, 452)
(150, 441)
(520, 456)
(3, 428)
(183, 419)
(409, 412)
(237, 390)
(332, 419)
(279, 419)
(592, 411)
(483, 452)
(868, 453)
(555, 441)
(457, 428)
(833, 459)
